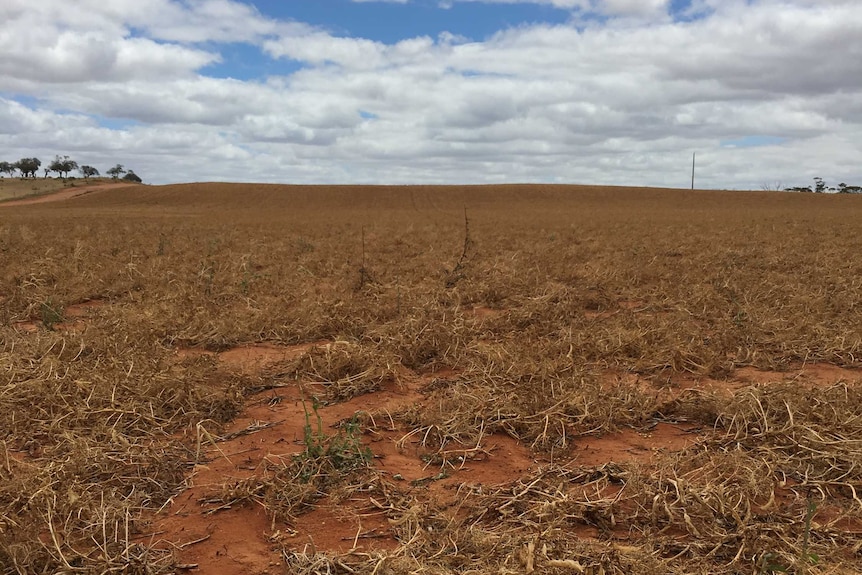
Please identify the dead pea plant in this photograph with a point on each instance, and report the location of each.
(329, 465)
(341, 369)
(572, 285)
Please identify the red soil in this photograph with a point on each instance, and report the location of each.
(75, 316)
(633, 446)
(819, 374)
(251, 358)
(243, 539)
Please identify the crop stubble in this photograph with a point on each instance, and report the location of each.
(613, 380)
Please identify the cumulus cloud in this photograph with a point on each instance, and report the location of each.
(607, 7)
(38, 47)
(17, 119)
(621, 100)
(171, 20)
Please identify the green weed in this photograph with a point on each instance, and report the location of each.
(50, 313)
(323, 454)
(770, 563)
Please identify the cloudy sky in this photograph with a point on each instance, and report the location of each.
(438, 91)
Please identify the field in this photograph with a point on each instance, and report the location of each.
(250, 379)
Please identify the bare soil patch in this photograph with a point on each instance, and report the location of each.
(242, 538)
(483, 312)
(71, 319)
(251, 358)
(818, 374)
(630, 445)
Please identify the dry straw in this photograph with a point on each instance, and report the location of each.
(570, 314)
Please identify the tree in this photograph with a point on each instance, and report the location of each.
(7, 168)
(88, 171)
(63, 166)
(55, 166)
(28, 166)
(845, 189)
(116, 171)
(819, 185)
(132, 177)
(770, 187)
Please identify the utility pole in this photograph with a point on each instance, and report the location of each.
(693, 156)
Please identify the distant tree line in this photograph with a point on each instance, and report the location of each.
(820, 187)
(64, 166)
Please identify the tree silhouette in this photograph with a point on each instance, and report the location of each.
(116, 171)
(28, 166)
(63, 165)
(88, 171)
(7, 168)
(132, 177)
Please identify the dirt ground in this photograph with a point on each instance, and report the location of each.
(209, 536)
(241, 540)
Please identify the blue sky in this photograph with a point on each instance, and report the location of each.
(386, 22)
(393, 21)
(438, 91)
(390, 22)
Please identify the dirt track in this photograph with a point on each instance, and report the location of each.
(64, 194)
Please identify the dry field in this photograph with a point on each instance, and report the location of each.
(253, 379)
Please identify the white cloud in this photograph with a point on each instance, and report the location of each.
(606, 7)
(321, 48)
(170, 20)
(17, 119)
(38, 48)
(624, 101)
(627, 7)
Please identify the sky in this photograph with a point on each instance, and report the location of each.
(767, 93)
